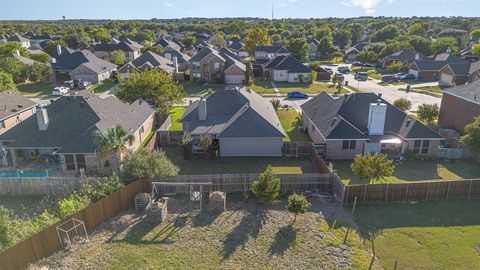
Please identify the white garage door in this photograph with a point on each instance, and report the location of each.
(234, 79)
(446, 79)
(251, 147)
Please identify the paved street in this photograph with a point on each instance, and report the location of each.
(390, 93)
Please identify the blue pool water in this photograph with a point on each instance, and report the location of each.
(23, 174)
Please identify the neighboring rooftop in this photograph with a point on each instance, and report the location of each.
(153, 60)
(271, 49)
(287, 62)
(71, 60)
(110, 47)
(12, 102)
(470, 92)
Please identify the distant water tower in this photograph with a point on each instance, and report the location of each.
(63, 18)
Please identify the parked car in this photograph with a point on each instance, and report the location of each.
(329, 70)
(361, 76)
(70, 84)
(357, 64)
(341, 76)
(389, 78)
(400, 74)
(408, 77)
(60, 90)
(84, 85)
(343, 70)
(297, 94)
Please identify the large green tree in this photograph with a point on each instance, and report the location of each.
(298, 47)
(342, 38)
(6, 82)
(325, 47)
(154, 86)
(428, 112)
(256, 37)
(442, 44)
(117, 57)
(113, 143)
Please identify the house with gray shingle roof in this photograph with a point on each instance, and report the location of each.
(65, 130)
(428, 69)
(405, 57)
(286, 68)
(167, 45)
(364, 123)
(23, 42)
(264, 54)
(240, 123)
(14, 108)
(210, 65)
(474, 72)
(455, 73)
(131, 50)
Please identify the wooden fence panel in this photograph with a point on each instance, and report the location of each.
(38, 186)
(46, 241)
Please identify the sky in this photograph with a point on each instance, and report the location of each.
(166, 9)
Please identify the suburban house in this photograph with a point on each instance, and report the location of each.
(35, 49)
(167, 45)
(239, 47)
(80, 65)
(131, 51)
(190, 50)
(286, 68)
(23, 42)
(474, 72)
(460, 105)
(38, 39)
(428, 69)
(182, 59)
(406, 57)
(455, 73)
(14, 108)
(323, 74)
(240, 122)
(351, 53)
(364, 123)
(65, 131)
(264, 54)
(312, 51)
(151, 60)
(210, 65)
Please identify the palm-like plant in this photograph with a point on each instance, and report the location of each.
(113, 143)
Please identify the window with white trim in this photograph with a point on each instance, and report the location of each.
(349, 145)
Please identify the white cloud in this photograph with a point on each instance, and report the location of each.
(369, 6)
(169, 5)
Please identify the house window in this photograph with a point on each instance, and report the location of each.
(421, 147)
(70, 162)
(216, 67)
(81, 164)
(196, 75)
(349, 145)
(2, 124)
(142, 130)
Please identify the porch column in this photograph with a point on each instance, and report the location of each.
(14, 157)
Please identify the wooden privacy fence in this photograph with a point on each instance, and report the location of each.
(243, 182)
(412, 191)
(305, 149)
(38, 186)
(169, 137)
(46, 242)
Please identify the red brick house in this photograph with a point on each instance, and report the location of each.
(454, 73)
(460, 105)
(364, 123)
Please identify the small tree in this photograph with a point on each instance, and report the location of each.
(113, 143)
(313, 76)
(472, 136)
(403, 104)
(149, 165)
(373, 166)
(267, 186)
(249, 72)
(187, 145)
(395, 67)
(276, 103)
(6, 82)
(297, 204)
(117, 57)
(428, 112)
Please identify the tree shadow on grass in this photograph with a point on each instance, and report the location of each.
(284, 239)
(249, 227)
(205, 218)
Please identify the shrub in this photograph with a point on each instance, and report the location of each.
(428, 112)
(267, 186)
(149, 165)
(72, 204)
(403, 104)
(297, 204)
(370, 166)
(276, 103)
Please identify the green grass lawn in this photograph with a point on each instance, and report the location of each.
(290, 121)
(175, 115)
(262, 87)
(433, 235)
(198, 89)
(104, 86)
(265, 88)
(20, 205)
(416, 170)
(35, 89)
(226, 165)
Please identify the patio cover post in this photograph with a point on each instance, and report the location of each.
(14, 157)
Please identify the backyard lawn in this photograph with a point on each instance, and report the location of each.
(433, 235)
(175, 115)
(35, 89)
(416, 170)
(199, 89)
(246, 236)
(230, 165)
(104, 86)
(290, 121)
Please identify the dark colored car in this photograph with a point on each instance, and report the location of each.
(296, 94)
(408, 77)
(329, 70)
(361, 76)
(341, 76)
(389, 78)
(343, 70)
(357, 64)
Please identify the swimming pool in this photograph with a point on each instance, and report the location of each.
(23, 174)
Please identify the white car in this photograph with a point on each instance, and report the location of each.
(60, 90)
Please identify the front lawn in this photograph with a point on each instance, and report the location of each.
(104, 86)
(416, 170)
(175, 115)
(265, 88)
(262, 87)
(246, 236)
(433, 235)
(290, 120)
(230, 165)
(35, 89)
(196, 89)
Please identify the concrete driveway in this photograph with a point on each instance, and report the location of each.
(390, 93)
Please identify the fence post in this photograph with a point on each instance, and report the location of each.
(354, 205)
(406, 193)
(365, 194)
(448, 189)
(428, 188)
(470, 189)
(346, 197)
(386, 194)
